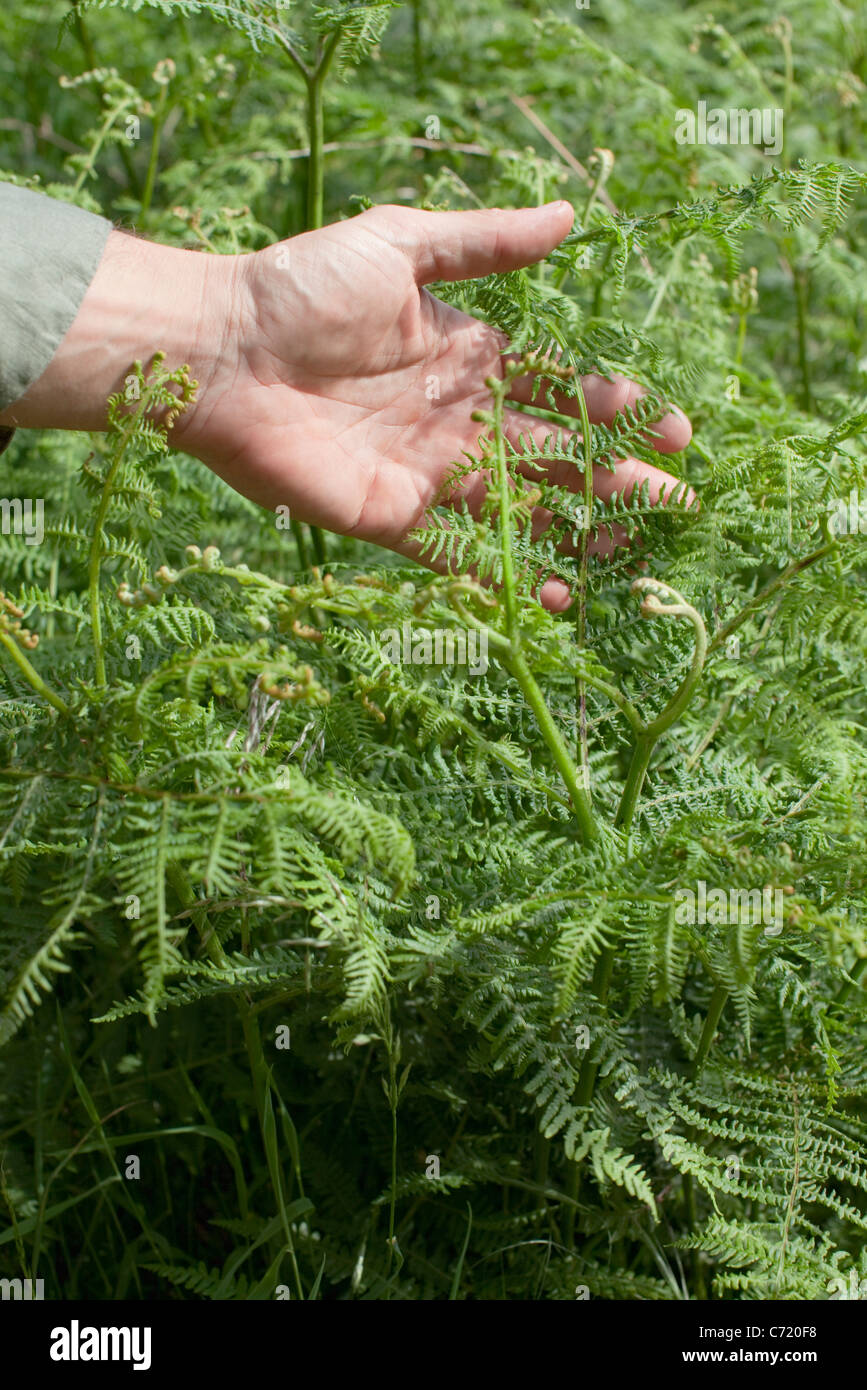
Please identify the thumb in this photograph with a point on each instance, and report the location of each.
(467, 245)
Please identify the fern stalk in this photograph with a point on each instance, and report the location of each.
(516, 663)
(711, 1023)
(802, 298)
(31, 675)
(581, 622)
(778, 582)
(153, 157)
(83, 36)
(638, 765)
(653, 591)
(315, 80)
(96, 548)
(499, 389)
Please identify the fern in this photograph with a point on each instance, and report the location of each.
(410, 939)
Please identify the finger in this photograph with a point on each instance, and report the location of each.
(604, 541)
(467, 245)
(627, 473)
(554, 594)
(605, 399)
(473, 490)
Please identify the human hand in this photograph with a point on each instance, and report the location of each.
(313, 358)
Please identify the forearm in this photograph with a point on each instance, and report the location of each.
(143, 297)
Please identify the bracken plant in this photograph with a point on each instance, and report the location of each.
(409, 980)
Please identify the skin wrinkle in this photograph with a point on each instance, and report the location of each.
(371, 267)
(372, 467)
(372, 479)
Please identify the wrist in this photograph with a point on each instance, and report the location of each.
(143, 298)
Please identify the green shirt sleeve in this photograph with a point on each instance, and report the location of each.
(49, 253)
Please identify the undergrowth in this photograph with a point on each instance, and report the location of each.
(382, 968)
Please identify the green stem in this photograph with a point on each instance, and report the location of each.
(153, 159)
(301, 542)
(634, 780)
(315, 161)
(663, 286)
(626, 707)
(84, 37)
(505, 508)
(581, 619)
(96, 550)
(652, 607)
(601, 280)
(676, 706)
(114, 114)
(92, 63)
(517, 665)
(846, 988)
(711, 1023)
(802, 297)
(692, 1225)
(606, 164)
(317, 536)
(417, 47)
(782, 578)
(600, 984)
(742, 333)
(31, 675)
(316, 131)
(645, 741)
(315, 79)
(289, 48)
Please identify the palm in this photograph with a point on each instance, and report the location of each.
(350, 391)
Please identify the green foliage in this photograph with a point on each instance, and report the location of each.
(226, 811)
